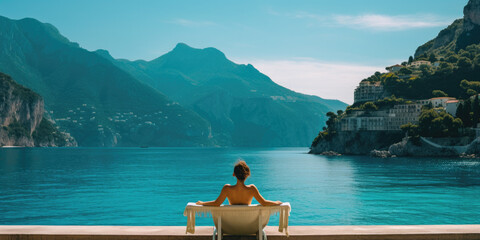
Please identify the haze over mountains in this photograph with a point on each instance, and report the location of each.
(187, 97)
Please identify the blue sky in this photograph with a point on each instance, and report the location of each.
(316, 47)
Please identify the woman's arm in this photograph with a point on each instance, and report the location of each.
(218, 201)
(261, 200)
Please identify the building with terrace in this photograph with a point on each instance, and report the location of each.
(367, 91)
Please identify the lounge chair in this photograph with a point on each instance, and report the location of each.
(238, 219)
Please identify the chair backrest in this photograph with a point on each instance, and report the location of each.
(244, 220)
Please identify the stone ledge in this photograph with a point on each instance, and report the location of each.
(417, 232)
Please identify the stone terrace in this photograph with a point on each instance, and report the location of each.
(417, 232)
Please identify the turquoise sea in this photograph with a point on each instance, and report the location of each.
(151, 186)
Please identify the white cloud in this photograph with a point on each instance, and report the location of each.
(376, 22)
(310, 76)
(391, 23)
(191, 23)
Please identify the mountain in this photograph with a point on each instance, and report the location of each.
(21, 118)
(243, 106)
(96, 101)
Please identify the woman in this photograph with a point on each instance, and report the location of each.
(240, 194)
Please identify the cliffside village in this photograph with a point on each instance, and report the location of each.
(400, 114)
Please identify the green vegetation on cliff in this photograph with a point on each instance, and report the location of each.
(329, 131)
(380, 104)
(429, 81)
(434, 123)
(7, 84)
(47, 133)
(21, 118)
(17, 130)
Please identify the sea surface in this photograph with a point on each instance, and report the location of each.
(151, 186)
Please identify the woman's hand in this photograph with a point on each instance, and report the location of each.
(199, 203)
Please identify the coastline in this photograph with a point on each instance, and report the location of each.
(371, 144)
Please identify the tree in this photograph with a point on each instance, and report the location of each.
(427, 71)
(410, 129)
(476, 61)
(422, 57)
(452, 59)
(432, 58)
(329, 130)
(410, 59)
(471, 87)
(339, 112)
(446, 68)
(433, 123)
(460, 110)
(464, 63)
(405, 71)
(471, 92)
(466, 115)
(476, 111)
(370, 106)
(332, 117)
(439, 93)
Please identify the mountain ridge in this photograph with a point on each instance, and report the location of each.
(186, 97)
(202, 78)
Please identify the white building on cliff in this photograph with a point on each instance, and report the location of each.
(383, 120)
(367, 91)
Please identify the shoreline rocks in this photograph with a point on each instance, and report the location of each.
(406, 147)
(469, 156)
(330, 153)
(380, 154)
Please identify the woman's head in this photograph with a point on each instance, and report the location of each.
(241, 170)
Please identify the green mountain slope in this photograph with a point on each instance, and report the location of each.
(458, 36)
(244, 107)
(97, 102)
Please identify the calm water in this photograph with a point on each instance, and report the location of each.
(132, 186)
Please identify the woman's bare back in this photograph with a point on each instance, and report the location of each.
(239, 195)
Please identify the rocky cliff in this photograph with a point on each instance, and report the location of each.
(471, 14)
(461, 33)
(357, 143)
(411, 147)
(21, 118)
